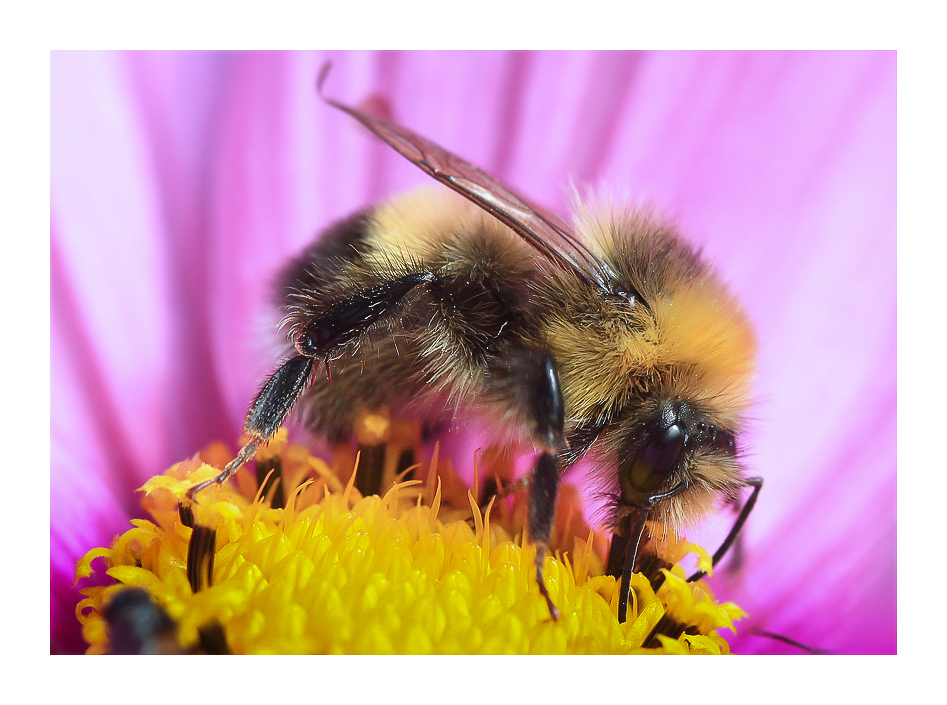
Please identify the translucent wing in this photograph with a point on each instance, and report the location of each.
(545, 231)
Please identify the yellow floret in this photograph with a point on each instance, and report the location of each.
(421, 570)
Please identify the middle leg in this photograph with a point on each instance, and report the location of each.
(530, 382)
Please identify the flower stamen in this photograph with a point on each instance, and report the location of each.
(201, 549)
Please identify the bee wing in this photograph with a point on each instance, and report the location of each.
(545, 231)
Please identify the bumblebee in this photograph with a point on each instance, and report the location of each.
(611, 338)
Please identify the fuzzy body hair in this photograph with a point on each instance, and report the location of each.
(461, 345)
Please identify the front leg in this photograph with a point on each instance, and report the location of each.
(315, 341)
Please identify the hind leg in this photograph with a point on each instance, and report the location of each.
(316, 340)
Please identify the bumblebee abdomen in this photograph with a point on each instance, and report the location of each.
(318, 271)
(435, 350)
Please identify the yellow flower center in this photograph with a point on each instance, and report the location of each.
(423, 569)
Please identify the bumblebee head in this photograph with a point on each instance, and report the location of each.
(673, 452)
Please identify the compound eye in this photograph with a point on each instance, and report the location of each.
(653, 462)
(662, 449)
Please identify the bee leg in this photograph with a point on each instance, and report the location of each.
(349, 318)
(757, 484)
(637, 521)
(491, 489)
(325, 334)
(755, 631)
(267, 412)
(636, 525)
(546, 408)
